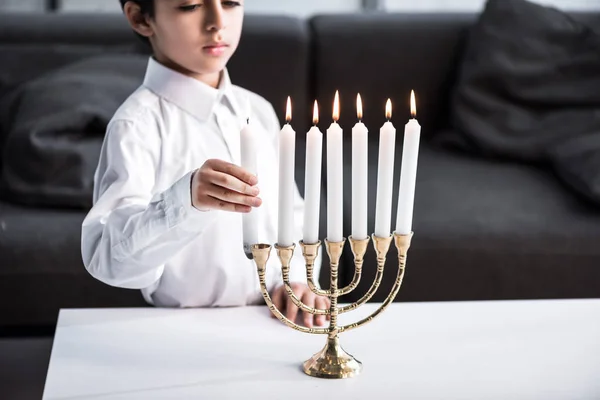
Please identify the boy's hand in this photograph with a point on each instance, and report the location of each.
(286, 306)
(219, 185)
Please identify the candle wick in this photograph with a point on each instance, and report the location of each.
(247, 120)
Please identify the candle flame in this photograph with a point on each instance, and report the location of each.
(413, 104)
(388, 109)
(359, 107)
(336, 106)
(316, 113)
(288, 110)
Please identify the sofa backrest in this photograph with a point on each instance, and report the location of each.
(272, 59)
(379, 55)
(387, 55)
(32, 44)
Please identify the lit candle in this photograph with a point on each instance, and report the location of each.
(249, 149)
(408, 177)
(287, 143)
(385, 175)
(312, 176)
(335, 183)
(360, 170)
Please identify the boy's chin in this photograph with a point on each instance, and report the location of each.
(209, 68)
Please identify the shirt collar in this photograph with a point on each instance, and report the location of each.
(191, 95)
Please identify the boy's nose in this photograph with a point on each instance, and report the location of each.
(214, 18)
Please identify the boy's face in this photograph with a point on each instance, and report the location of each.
(198, 37)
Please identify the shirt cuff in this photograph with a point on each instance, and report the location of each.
(179, 209)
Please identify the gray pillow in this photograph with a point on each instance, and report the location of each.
(55, 127)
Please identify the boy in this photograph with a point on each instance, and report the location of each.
(168, 193)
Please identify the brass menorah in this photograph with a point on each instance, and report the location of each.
(332, 361)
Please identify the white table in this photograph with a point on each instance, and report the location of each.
(472, 350)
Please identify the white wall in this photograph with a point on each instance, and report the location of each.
(477, 5)
(301, 8)
(306, 8)
(21, 5)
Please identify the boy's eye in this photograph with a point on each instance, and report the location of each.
(190, 7)
(193, 7)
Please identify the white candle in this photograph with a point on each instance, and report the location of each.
(248, 147)
(408, 177)
(385, 176)
(335, 174)
(287, 144)
(360, 170)
(312, 185)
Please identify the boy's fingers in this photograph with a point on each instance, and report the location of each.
(235, 170)
(309, 300)
(217, 204)
(233, 183)
(229, 196)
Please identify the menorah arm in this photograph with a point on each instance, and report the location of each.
(261, 253)
(310, 253)
(359, 248)
(285, 255)
(402, 244)
(382, 246)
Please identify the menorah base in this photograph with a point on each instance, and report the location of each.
(332, 362)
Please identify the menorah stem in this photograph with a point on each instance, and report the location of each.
(333, 312)
(332, 361)
(334, 250)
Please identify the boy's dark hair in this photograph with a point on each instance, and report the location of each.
(147, 9)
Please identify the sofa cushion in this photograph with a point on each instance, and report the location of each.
(490, 230)
(41, 269)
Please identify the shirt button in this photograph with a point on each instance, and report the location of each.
(181, 211)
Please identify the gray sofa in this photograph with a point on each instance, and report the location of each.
(484, 229)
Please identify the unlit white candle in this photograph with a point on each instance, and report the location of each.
(248, 147)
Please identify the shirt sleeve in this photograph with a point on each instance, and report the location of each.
(129, 235)
(298, 264)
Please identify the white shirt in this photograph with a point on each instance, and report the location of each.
(143, 232)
